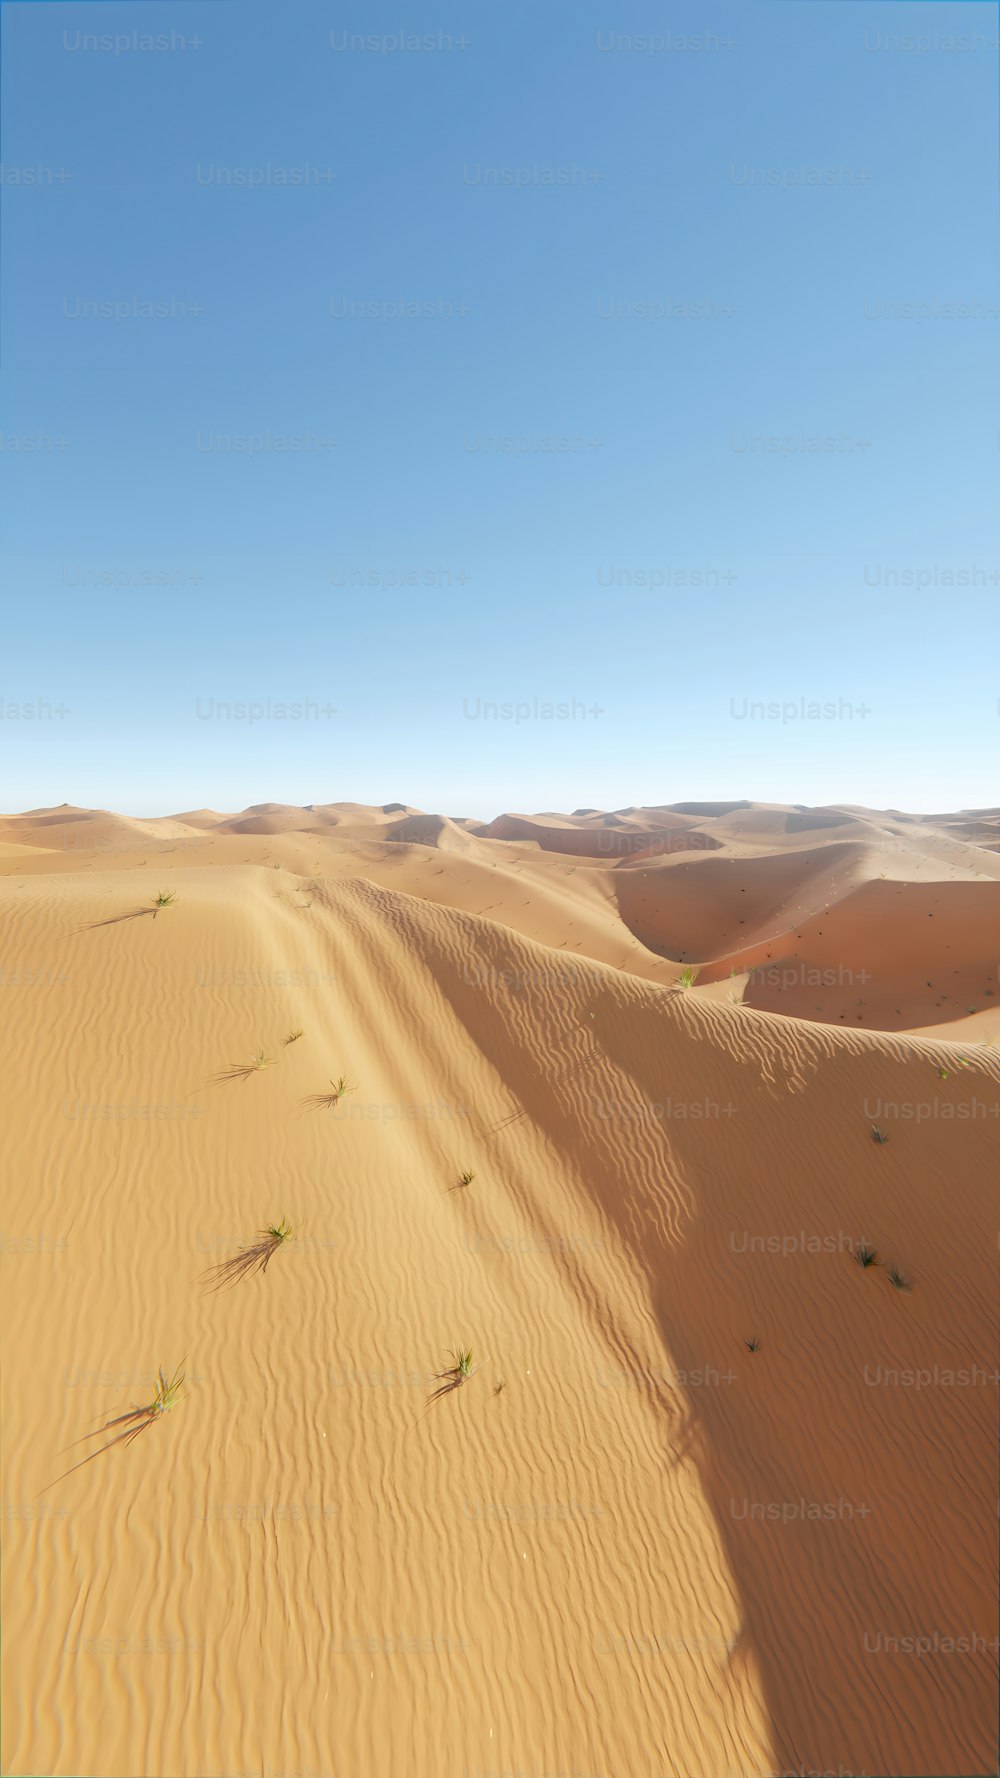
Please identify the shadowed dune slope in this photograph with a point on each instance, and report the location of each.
(652, 1550)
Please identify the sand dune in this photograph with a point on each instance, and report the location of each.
(652, 1550)
(602, 836)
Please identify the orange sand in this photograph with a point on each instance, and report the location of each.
(653, 1552)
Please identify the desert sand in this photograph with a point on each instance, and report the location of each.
(715, 1499)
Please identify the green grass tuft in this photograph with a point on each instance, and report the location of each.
(249, 1259)
(243, 1070)
(329, 1101)
(456, 1374)
(137, 1420)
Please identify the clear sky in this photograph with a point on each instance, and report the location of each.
(726, 312)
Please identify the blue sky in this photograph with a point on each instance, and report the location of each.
(521, 483)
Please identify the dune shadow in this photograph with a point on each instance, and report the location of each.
(789, 1424)
(819, 1514)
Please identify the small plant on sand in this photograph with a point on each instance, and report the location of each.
(165, 899)
(878, 1135)
(329, 1101)
(897, 1280)
(249, 1259)
(293, 1037)
(465, 1178)
(456, 1374)
(243, 1070)
(752, 1345)
(500, 1386)
(131, 1424)
(686, 977)
(866, 1256)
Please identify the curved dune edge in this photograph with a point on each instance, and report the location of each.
(569, 1574)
